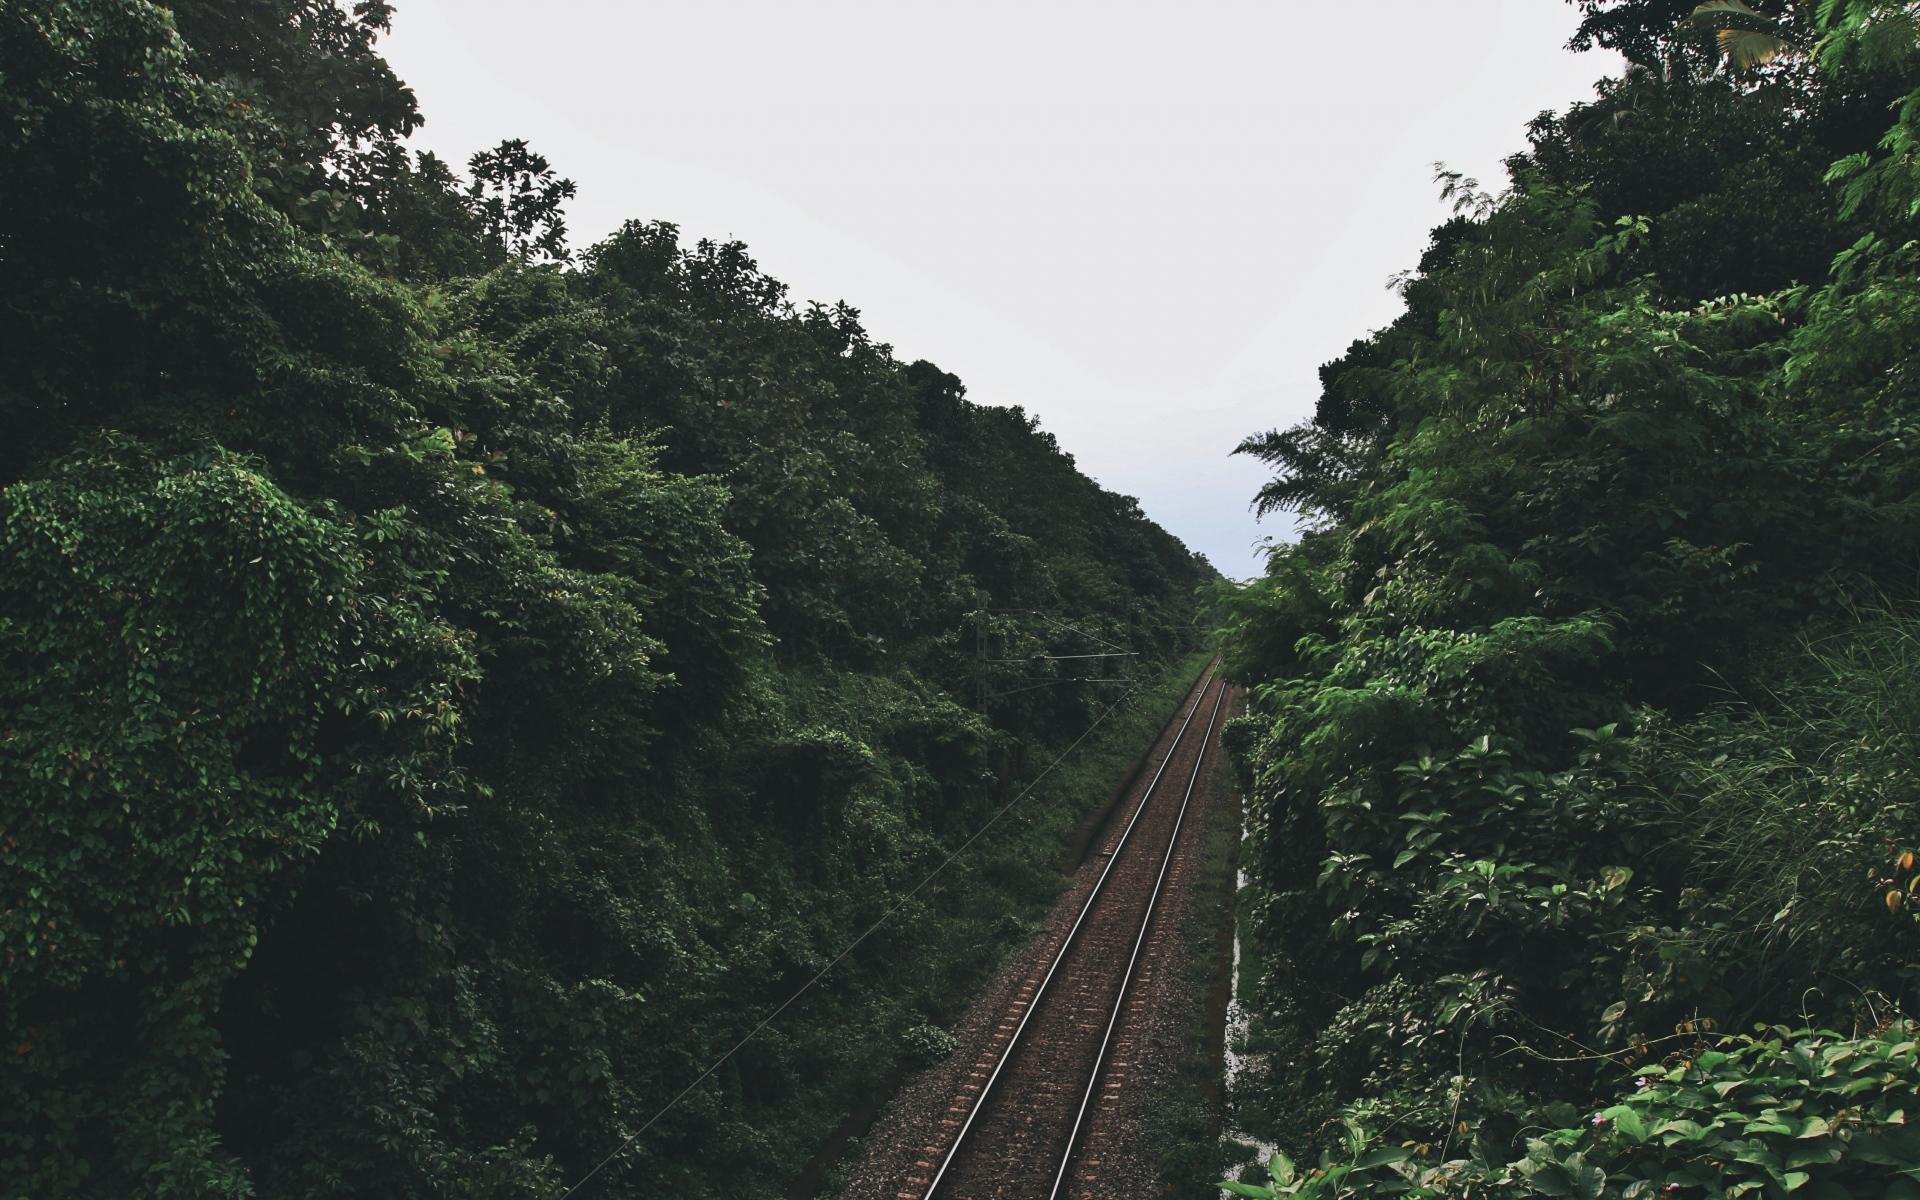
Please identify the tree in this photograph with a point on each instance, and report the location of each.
(518, 200)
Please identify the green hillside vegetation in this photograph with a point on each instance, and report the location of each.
(1584, 734)
(451, 688)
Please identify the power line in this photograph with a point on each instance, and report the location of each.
(1046, 683)
(1064, 657)
(1083, 633)
(1053, 620)
(623, 1147)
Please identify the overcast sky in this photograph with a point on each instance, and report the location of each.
(1148, 223)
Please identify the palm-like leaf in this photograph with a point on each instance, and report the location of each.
(1745, 49)
(1748, 38)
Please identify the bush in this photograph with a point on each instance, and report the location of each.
(924, 1045)
(1784, 1113)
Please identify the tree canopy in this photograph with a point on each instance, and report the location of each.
(1579, 754)
(452, 683)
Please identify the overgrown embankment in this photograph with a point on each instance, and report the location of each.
(1581, 754)
(997, 897)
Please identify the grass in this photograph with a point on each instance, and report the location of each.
(1794, 805)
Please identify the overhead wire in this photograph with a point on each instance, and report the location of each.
(1046, 683)
(1053, 620)
(1064, 657)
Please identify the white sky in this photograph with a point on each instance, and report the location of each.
(1148, 223)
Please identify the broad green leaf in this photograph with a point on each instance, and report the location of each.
(1678, 1131)
(1385, 1156)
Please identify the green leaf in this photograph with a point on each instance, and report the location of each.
(1756, 1153)
(1731, 14)
(1589, 1181)
(1385, 1156)
(1280, 1168)
(1678, 1131)
(1812, 1156)
(1630, 1124)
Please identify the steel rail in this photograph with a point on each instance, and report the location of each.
(1053, 969)
(1133, 963)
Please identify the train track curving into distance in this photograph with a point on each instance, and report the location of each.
(1019, 1127)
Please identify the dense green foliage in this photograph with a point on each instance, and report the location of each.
(1582, 729)
(449, 691)
(1774, 1114)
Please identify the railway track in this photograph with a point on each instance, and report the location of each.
(1019, 1126)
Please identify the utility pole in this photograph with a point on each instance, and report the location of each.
(980, 638)
(980, 649)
